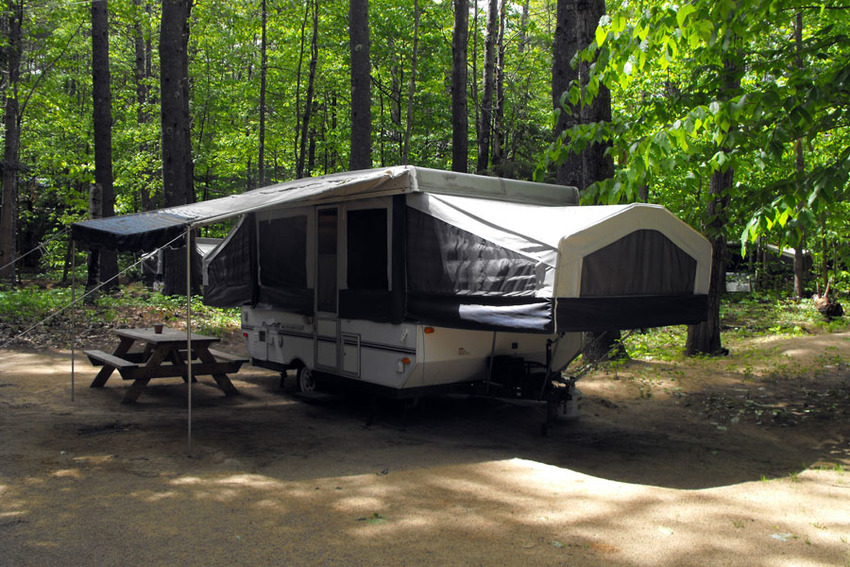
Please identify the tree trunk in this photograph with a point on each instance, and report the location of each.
(597, 165)
(485, 121)
(102, 122)
(11, 143)
(411, 91)
(142, 74)
(460, 109)
(142, 71)
(566, 44)
(177, 169)
(298, 117)
(499, 77)
(361, 94)
(704, 338)
(474, 89)
(261, 150)
(308, 105)
(94, 263)
(799, 258)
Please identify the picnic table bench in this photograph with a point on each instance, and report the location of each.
(164, 355)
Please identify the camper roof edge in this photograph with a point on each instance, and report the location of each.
(485, 187)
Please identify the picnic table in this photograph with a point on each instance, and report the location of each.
(163, 355)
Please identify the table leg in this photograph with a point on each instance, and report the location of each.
(138, 386)
(220, 378)
(106, 371)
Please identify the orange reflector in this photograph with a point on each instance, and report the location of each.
(429, 330)
(405, 360)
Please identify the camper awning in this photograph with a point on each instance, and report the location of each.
(151, 230)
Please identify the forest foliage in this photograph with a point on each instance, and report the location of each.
(672, 124)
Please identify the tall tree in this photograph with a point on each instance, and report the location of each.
(485, 119)
(460, 109)
(103, 264)
(11, 141)
(361, 93)
(264, 64)
(800, 162)
(311, 88)
(499, 104)
(142, 73)
(565, 45)
(177, 168)
(597, 163)
(411, 90)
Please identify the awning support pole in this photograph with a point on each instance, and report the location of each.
(73, 311)
(189, 333)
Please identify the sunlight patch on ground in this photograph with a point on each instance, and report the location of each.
(67, 473)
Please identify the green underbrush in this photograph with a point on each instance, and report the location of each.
(132, 305)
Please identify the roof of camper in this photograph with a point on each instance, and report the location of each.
(152, 229)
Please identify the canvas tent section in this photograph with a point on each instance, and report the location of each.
(631, 266)
(495, 264)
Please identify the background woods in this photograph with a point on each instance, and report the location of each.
(733, 115)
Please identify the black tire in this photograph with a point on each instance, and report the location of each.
(306, 379)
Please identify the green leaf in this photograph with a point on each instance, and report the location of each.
(683, 14)
(601, 34)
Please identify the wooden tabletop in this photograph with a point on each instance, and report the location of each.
(167, 335)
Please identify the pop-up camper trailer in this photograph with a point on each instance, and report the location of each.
(410, 280)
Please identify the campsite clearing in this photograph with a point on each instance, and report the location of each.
(739, 461)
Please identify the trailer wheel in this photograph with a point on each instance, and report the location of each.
(306, 379)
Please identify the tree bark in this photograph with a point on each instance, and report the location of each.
(297, 138)
(102, 122)
(460, 109)
(485, 120)
(261, 150)
(704, 338)
(499, 77)
(597, 163)
(94, 263)
(11, 143)
(308, 105)
(411, 91)
(799, 258)
(143, 70)
(177, 168)
(565, 45)
(360, 156)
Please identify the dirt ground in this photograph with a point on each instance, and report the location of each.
(739, 461)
